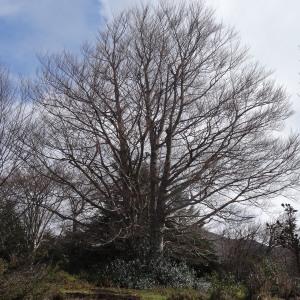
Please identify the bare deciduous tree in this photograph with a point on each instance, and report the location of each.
(33, 195)
(242, 247)
(12, 126)
(167, 103)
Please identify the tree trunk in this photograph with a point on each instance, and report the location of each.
(156, 238)
(298, 261)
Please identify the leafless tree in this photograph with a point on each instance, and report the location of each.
(35, 197)
(241, 247)
(166, 103)
(13, 120)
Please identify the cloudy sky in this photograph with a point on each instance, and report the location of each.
(270, 28)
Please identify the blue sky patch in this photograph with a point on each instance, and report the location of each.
(32, 27)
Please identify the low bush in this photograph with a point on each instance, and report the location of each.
(35, 283)
(227, 288)
(173, 274)
(186, 296)
(22, 284)
(139, 275)
(271, 279)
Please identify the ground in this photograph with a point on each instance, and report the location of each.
(125, 294)
(52, 284)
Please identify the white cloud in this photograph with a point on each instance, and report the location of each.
(271, 29)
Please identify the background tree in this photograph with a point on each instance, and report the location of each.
(241, 248)
(166, 103)
(12, 233)
(285, 232)
(13, 122)
(33, 195)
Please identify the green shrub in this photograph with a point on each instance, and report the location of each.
(131, 274)
(140, 275)
(168, 273)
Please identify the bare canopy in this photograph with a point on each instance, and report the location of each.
(164, 119)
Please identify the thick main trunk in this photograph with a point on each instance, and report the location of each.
(297, 254)
(156, 238)
(155, 209)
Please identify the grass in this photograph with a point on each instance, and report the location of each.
(64, 283)
(51, 282)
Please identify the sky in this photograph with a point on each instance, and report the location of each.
(270, 28)
(29, 28)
